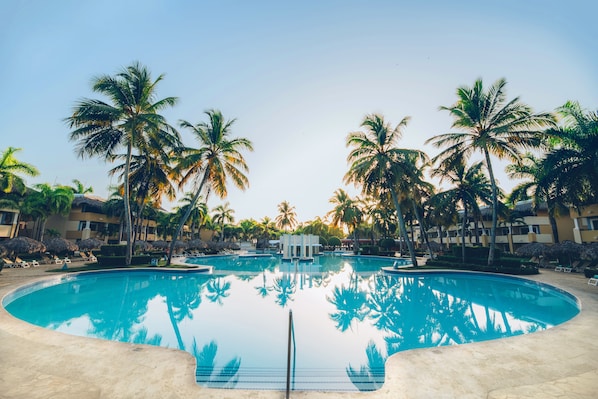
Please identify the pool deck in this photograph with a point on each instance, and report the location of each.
(558, 363)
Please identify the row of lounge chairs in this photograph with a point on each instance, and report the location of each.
(577, 266)
(19, 263)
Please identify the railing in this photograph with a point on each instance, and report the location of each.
(290, 343)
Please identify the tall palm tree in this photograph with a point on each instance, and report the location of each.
(470, 187)
(493, 126)
(11, 170)
(222, 215)
(346, 212)
(131, 120)
(573, 164)
(217, 159)
(197, 216)
(379, 166)
(287, 218)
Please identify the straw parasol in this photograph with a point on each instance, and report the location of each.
(90, 243)
(142, 245)
(590, 251)
(567, 248)
(58, 245)
(196, 244)
(534, 249)
(23, 245)
(160, 244)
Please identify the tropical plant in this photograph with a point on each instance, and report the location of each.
(79, 188)
(223, 214)
(470, 187)
(287, 218)
(347, 212)
(380, 167)
(493, 126)
(131, 120)
(46, 201)
(11, 170)
(572, 165)
(217, 159)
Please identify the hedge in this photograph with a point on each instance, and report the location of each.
(120, 260)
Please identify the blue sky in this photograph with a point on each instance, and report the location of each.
(297, 76)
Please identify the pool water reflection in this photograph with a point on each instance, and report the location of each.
(349, 316)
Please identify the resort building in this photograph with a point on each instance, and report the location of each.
(585, 224)
(526, 225)
(88, 219)
(301, 247)
(9, 227)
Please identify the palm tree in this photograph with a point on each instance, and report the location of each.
(470, 186)
(493, 126)
(131, 120)
(287, 218)
(197, 216)
(79, 188)
(572, 164)
(540, 187)
(223, 214)
(346, 212)
(46, 201)
(217, 159)
(380, 167)
(11, 170)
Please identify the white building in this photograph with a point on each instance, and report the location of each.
(300, 247)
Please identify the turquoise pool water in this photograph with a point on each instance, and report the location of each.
(349, 317)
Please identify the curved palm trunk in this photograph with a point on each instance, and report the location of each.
(186, 216)
(127, 199)
(494, 209)
(463, 234)
(422, 229)
(404, 228)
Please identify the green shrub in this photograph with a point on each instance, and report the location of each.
(386, 243)
(119, 261)
(334, 241)
(113, 250)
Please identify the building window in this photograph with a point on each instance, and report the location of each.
(593, 224)
(7, 217)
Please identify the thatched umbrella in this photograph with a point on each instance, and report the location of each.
(60, 245)
(160, 244)
(142, 245)
(196, 244)
(590, 251)
(90, 243)
(23, 245)
(534, 249)
(570, 249)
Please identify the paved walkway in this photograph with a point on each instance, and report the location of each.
(558, 363)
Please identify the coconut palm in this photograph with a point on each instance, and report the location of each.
(11, 170)
(287, 218)
(223, 214)
(217, 160)
(490, 124)
(573, 164)
(539, 186)
(470, 187)
(380, 167)
(46, 201)
(131, 120)
(347, 212)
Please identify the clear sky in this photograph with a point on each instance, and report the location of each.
(298, 76)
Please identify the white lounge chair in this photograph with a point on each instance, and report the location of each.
(58, 261)
(21, 263)
(66, 260)
(593, 280)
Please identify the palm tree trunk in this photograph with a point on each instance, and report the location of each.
(494, 208)
(403, 228)
(463, 234)
(127, 200)
(186, 215)
(422, 229)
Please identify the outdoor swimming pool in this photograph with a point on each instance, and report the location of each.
(348, 315)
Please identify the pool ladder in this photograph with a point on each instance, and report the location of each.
(290, 345)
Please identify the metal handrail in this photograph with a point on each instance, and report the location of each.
(290, 341)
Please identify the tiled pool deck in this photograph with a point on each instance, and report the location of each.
(558, 363)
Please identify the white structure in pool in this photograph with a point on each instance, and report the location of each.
(302, 247)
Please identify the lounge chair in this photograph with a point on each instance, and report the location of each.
(58, 261)
(91, 257)
(21, 263)
(66, 260)
(593, 280)
(9, 263)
